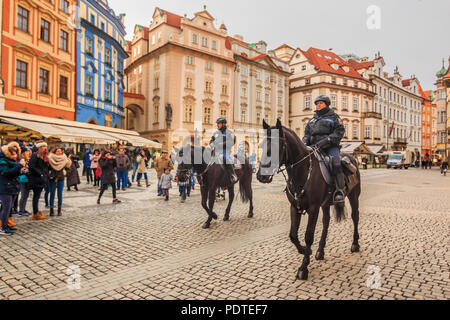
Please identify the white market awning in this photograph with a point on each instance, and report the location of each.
(355, 147)
(376, 150)
(136, 141)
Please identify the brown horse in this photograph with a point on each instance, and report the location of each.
(307, 190)
(211, 175)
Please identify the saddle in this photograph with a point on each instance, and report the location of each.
(326, 167)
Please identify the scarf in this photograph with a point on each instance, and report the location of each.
(323, 112)
(58, 162)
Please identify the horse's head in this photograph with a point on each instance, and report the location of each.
(273, 152)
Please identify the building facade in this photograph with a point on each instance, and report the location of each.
(442, 112)
(261, 90)
(427, 122)
(316, 72)
(39, 57)
(100, 64)
(179, 78)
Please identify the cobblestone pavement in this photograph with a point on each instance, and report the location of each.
(145, 248)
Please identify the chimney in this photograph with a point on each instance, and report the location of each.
(364, 59)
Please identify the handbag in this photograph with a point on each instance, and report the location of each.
(23, 178)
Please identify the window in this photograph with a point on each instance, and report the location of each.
(267, 77)
(208, 87)
(307, 102)
(244, 92)
(190, 60)
(224, 89)
(346, 130)
(303, 67)
(21, 74)
(333, 101)
(214, 45)
(243, 115)
(157, 61)
(43, 81)
(208, 65)
(63, 40)
(108, 120)
(280, 100)
(258, 117)
(107, 91)
(45, 30)
(267, 97)
(355, 104)
(258, 75)
(22, 18)
(333, 80)
(63, 85)
(155, 113)
(205, 42)
(65, 6)
(88, 86)
(225, 69)
(188, 113)
(244, 71)
(92, 19)
(153, 40)
(223, 113)
(207, 115)
(156, 82)
(345, 102)
(89, 46)
(368, 132)
(189, 83)
(194, 39)
(102, 26)
(267, 117)
(108, 56)
(355, 132)
(258, 95)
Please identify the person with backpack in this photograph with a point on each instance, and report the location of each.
(107, 165)
(123, 163)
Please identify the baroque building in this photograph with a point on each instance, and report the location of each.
(39, 57)
(100, 64)
(179, 78)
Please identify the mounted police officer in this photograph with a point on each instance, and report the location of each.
(221, 143)
(326, 131)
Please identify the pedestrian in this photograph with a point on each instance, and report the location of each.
(130, 167)
(160, 164)
(59, 166)
(38, 176)
(23, 183)
(123, 163)
(147, 155)
(94, 165)
(10, 170)
(142, 169)
(107, 164)
(184, 181)
(87, 166)
(166, 182)
(73, 177)
(135, 164)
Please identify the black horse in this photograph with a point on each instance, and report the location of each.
(211, 176)
(307, 190)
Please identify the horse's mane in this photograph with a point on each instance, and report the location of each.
(296, 138)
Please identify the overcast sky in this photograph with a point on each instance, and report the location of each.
(414, 34)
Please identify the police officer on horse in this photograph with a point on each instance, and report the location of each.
(221, 143)
(325, 131)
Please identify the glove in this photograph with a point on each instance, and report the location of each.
(323, 143)
(309, 149)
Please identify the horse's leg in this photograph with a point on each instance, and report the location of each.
(354, 202)
(204, 193)
(320, 255)
(295, 225)
(309, 239)
(205, 197)
(248, 186)
(230, 203)
(211, 199)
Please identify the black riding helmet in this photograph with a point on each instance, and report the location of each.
(323, 98)
(221, 120)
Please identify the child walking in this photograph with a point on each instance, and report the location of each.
(166, 182)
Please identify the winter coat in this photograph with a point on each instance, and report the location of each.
(73, 177)
(108, 167)
(142, 167)
(39, 172)
(94, 161)
(123, 162)
(324, 125)
(161, 164)
(222, 142)
(9, 173)
(166, 181)
(87, 159)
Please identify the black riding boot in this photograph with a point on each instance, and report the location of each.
(229, 168)
(339, 194)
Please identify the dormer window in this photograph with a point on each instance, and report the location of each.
(346, 69)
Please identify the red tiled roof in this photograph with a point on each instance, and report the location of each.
(326, 59)
(360, 65)
(133, 95)
(284, 46)
(228, 42)
(406, 83)
(173, 19)
(259, 57)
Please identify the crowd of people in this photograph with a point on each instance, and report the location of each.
(33, 170)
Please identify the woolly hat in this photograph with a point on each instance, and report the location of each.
(41, 144)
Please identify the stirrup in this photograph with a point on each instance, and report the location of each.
(336, 194)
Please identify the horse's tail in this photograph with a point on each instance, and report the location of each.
(243, 188)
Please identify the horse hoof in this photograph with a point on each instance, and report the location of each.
(355, 248)
(250, 215)
(226, 218)
(214, 216)
(302, 275)
(206, 226)
(320, 256)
